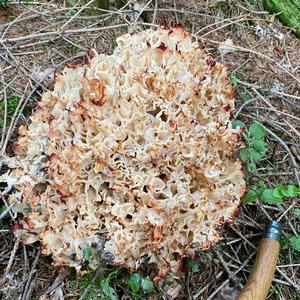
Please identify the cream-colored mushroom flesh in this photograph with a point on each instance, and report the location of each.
(132, 155)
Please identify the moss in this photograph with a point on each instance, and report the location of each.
(288, 12)
(99, 288)
(94, 292)
(12, 104)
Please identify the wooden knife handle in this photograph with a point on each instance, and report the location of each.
(259, 282)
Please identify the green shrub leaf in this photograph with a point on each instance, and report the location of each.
(194, 265)
(267, 196)
(134, 282)
(250, 197)
(252, 167)
(233, 80)
(87, 253)
(257, 131)
(295, 242)
(277, 193)
(260, 146)
(297, 212)
(237, 123)
(147, 284)
(245, 96)
(108, 290)
(244, 153)
(293, 191)
(255, 155)
(283, 190)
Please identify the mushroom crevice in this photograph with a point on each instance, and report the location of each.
(132, 155)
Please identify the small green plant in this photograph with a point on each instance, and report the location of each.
(12, 104)
(137, 282)
(105, 285)
(99, 286)
(194, 265)
(256, 147)
(297, 212)
(238, 123)
(85, 281)
(272, 196)
(88, 253)
(291, 242)
(295, 243)
(245, 96)
(233, 79)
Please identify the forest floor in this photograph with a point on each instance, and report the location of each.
(39, 37)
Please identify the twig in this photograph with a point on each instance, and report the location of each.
(8, 209)
(231, 275)
(75, 15)
(293, 128)
(25, 295)
(12, 256)
(292, 283)
(253, 52)
(5, 113)
(141, 11)
(243, 106)
(15, 117)
(286, 211)
(227, 280)
(197, 295)
(155, 12)
(260, 96)
(288, 151)
(239, 19)
(63, 274)
(59, 32)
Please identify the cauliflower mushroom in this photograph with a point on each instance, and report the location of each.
(134, 151)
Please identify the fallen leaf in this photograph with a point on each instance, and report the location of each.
(226, 47)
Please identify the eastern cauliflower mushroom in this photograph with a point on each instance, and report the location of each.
(134, 152)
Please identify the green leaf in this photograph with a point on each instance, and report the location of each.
(260, 191)
(283, 190)
(267, 196)
(134, 282)
(255, 155)
(261, 184)
(87, 253)
(295, 242)
(147, 284)
(113, 274)
(252, 167)
(297, 212)
(195, 266)
(284, 242)
(250, 197)
(245, 96)
(292, 182)
(277, 193)
(257, 131)
(281, 187)
(233, 80)
(244, 153)
(260, 146)
(293, 191)
(108, 290)
(237, 123)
